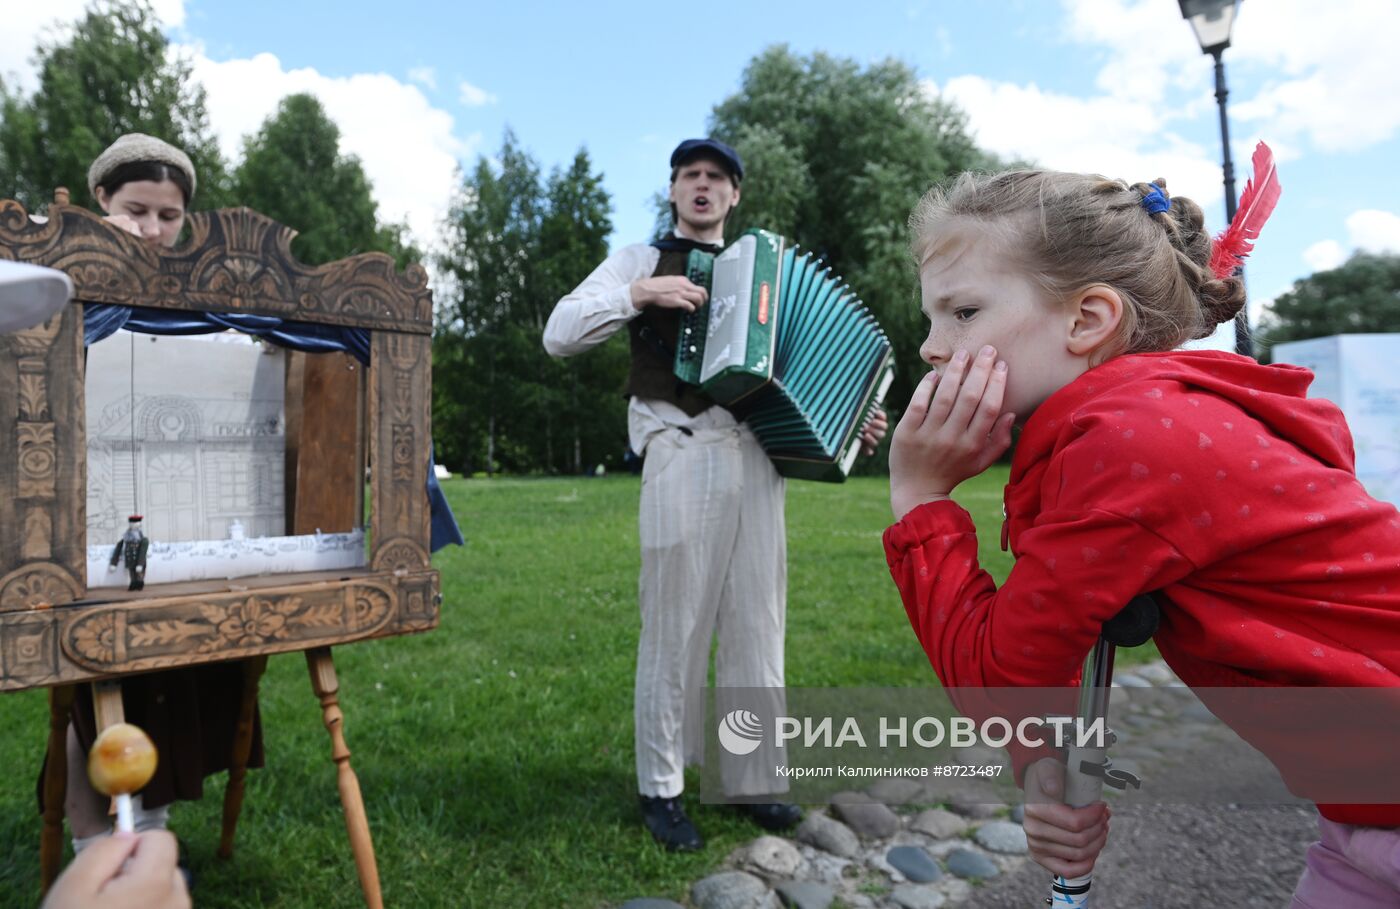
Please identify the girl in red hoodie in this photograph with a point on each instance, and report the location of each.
(1056, 302)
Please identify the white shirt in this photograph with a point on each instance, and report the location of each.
(595, 311)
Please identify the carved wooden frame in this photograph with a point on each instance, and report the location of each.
(237, 261)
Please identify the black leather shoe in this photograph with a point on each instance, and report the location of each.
(771, 815)
(669, 826)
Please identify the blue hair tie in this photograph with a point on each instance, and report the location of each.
(1155, 201)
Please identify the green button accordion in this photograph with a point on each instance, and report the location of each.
(789, 349)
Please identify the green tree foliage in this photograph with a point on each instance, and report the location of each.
(836, 155)
(1361, 296)
(293, 171)
(112, 74)
(514, 244)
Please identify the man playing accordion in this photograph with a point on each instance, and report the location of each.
(714, 549)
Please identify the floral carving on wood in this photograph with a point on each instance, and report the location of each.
(37, 459)
(403, 353)
(37, 587)
(102, 278)
(33, 398)
(27, 652)
(237, 260)
(252, 622)
(370, 608)
(241, 284)
(38, 534)
(403, 395)
(403, 451)
(151, 634)
(97, 639)
(35, 342)
(91, 640)
(400, 555)
(422, 600)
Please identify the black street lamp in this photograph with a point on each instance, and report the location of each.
(1212, 20)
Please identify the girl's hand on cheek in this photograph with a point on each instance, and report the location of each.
(953, 429)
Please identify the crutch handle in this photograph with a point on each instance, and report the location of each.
(1135, 624)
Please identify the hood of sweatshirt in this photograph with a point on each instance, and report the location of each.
(1276, 396)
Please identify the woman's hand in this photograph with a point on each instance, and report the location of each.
(126, 223)
(1063, 840)
(953, 429)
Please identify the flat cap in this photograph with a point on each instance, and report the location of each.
(694, 148)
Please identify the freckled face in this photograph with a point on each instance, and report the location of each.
(973, 295)
(157, 208)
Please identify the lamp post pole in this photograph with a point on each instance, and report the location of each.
(1244, 345)
(1212, 20)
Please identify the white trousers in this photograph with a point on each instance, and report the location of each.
(714, 563)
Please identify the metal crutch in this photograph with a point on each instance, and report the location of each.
(1088, 769)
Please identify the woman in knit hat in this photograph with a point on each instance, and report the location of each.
(145, 185)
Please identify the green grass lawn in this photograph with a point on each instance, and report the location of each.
(495, 753)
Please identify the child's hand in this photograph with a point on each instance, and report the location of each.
(953, 429)
(123, 871)
(1063, 840)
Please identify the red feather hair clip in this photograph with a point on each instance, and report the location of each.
(1256, 204)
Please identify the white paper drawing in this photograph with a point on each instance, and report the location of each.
(193, 438)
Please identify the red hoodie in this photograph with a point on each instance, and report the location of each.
(1200, 475)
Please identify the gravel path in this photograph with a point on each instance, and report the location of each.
(1181, 857)
(1233, 846)
(1212, 826)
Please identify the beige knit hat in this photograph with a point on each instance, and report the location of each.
(134, 147)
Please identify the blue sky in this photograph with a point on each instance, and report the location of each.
(1112, 86)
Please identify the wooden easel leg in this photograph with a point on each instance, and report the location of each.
(107, 707)
(55, 786)
(242, 748)
(107, 710)
(324, 683)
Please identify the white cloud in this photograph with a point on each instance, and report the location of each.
(1123, 129)
(1332, 79)
(1114, 136)
(425, 76)
(1338, 80)
(472, 96)
(25, 24)
(1334, 89)
(1374, 231)
(407, 146)
(1149, 45)
(1324, 255)
(1368, 229)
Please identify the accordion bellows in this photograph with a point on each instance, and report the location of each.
(789, 349)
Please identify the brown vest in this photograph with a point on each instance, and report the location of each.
(653, 335)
